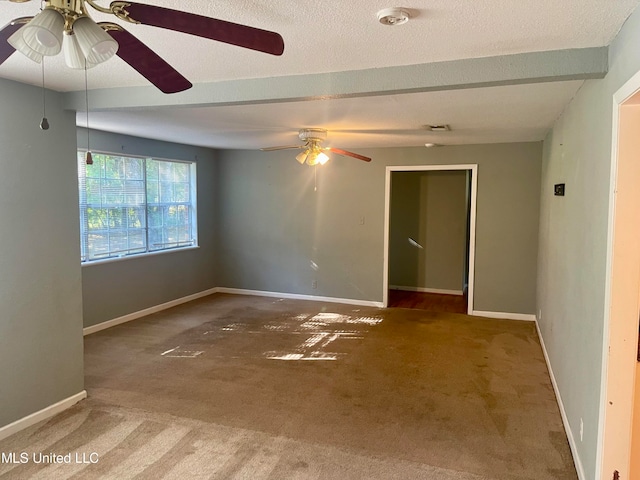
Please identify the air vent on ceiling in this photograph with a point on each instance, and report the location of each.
(438, 128)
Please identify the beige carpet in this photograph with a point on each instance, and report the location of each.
(242, 387)
(136, 444)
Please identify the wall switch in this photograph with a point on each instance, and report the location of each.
(362, 220)
(314, 284)
(581, 429)
(539, 314)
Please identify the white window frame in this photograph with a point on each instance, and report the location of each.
(120, 255)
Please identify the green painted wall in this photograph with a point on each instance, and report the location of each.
(573, 241)
(40, 278)
(273, 224)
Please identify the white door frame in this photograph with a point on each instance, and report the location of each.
(472, 223)
(608, 455)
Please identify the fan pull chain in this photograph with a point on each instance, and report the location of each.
(44, 123)
(88, 157)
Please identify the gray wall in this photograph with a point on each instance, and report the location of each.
(272, 224)
(40, 288)
(431, 208)
(573, 240)
(116, 288)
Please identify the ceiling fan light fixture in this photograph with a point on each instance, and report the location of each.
(44, 32)
(312, 159)
(302, 157)
(322, 158)
(312, 150)
(97, 45)
(17, 41)
(316, 156)
(73, 55)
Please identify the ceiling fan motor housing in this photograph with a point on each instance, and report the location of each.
(312, 134)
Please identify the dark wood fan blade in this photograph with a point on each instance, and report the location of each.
(287, 147)
(7, 50)
(148, 63)
(349, 154)
(220, 30)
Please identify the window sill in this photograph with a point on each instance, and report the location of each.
(139, 255)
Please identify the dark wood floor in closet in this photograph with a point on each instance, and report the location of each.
(434, 302)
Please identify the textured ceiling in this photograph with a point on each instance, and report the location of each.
(515, 113)
(332, 36)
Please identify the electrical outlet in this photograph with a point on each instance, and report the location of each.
(314, 284)
(581, 429)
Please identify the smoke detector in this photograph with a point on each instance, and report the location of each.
(393, 16)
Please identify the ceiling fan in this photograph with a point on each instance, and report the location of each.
(312, 151)
(66, 25)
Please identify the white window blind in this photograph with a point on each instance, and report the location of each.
(131, 205)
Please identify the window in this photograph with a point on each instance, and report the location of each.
(132, 205)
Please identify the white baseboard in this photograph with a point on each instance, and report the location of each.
(506, 316)
(563, 413)
(237, 291)
(296, 296)
(146, 311)
(425, 290)
(40, 415)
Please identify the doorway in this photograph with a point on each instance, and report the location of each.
(429, 244)
(619, 432)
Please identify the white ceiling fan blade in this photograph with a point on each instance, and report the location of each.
(284, 147)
